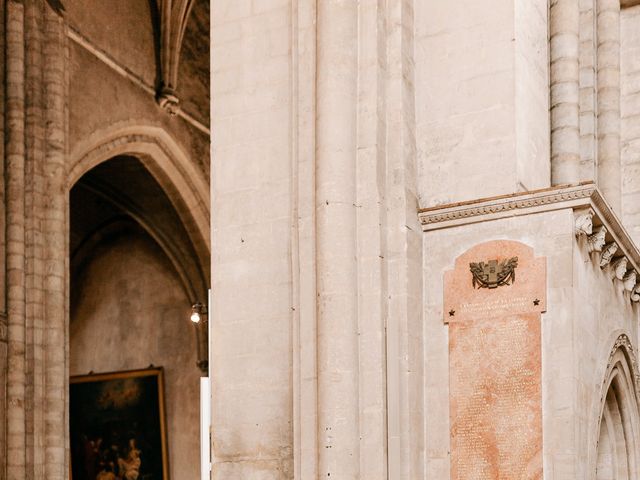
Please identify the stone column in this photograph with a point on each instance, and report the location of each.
(35, 139)
(565, 76)
(608, 112)
(3, 307)
(54, 226)
(14, 158)
(34, 308)
(337, 74)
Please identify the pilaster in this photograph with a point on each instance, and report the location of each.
(336, 275)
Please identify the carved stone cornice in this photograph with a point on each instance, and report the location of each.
(522, 203)
(595, 222)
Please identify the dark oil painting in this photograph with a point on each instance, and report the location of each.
(117, 426)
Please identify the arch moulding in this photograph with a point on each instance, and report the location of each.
(182, 181)
(621, 372)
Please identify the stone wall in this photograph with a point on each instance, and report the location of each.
(251, 240)
(104, 97)
(441, 249)
(129, 311)
(481, 99)
(318, 108)
(587, 311)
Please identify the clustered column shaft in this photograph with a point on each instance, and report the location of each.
(608, 120)
(55, 224)
(14, 158)
(34, 303)
(565, 89)
(35, 138)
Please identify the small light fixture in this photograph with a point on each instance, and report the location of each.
(196, 309)
(200, 322)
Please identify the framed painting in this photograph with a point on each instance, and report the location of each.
(117, 426)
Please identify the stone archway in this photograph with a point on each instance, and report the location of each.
(619, 428)
(126, 243)
(185, 185)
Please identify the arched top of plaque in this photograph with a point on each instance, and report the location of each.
(494, 279)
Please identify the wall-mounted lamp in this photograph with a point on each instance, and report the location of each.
(197, 309)
(201, 324)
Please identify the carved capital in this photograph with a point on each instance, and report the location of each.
(596, 240)
(620, 267)
(584, 223)
(169, 101)
(608, 252)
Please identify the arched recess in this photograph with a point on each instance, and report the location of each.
(184, 184)
(133, 244)
(618, 427)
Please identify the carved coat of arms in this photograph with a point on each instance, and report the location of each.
(494, 274)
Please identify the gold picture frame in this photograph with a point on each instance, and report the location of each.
(117, 426)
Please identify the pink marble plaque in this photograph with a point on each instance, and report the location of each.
(495, 361)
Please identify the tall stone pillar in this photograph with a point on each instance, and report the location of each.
(34, 308)
(34, 104)
(14, 161)
(337, 73)
(564, 33)
(55, 225)
(608, 121)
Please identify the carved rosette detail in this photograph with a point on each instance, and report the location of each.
(608, 252)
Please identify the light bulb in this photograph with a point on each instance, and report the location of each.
(195, 317)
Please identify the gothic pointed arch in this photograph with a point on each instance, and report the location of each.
(618, 428)
(185, 184)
